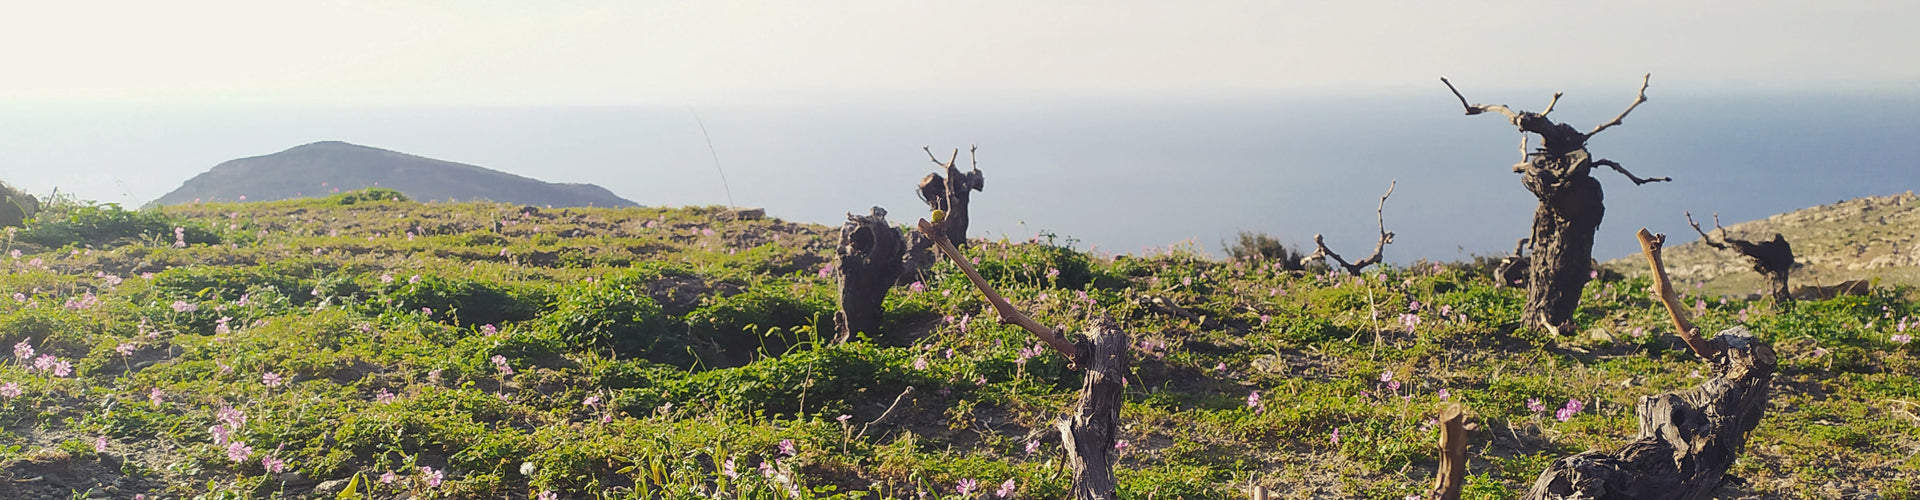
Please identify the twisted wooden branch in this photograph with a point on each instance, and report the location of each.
(1359, 265)
(1008, 314)
(1637, 99)
(1650, 245)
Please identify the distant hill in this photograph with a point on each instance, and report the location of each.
(321, 168)
(1863, 238)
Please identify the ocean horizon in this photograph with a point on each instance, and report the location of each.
(1113, 176)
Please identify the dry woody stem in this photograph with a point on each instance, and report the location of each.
(1386, 237)
(1008, 314)
(1650, 245)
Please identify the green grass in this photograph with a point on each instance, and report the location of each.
(650, 348)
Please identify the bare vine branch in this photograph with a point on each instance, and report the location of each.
(1008, 314)
(1650, 245)
(949, 162)
(1637, 99)
(1556, 100)
(1385, 238)
(1703, 235)
(1474, 109)
(1623, 171)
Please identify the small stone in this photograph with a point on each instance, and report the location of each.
(331, 487)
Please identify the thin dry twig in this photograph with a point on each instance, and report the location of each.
(1637, 99)
(1623, 171)
(1703, 235)
(1386, 237)
(1474, 109)
(1650, 245)
(936, 159)
(1556, 100)
(1008, 314)
(883, 415)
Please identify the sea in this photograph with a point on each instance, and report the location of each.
(1115, 176)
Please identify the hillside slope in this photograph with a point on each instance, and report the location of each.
(1864, 238)
(323, 167)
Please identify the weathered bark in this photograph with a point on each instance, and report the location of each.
(1453, 454)
(1512, 270)
(1386, 237)
(1773, 259)
(868, 262)
(1559, 174)
(951, 194)
(1687, 439)
(1563, 227)
(1090, 432)
(919, 257)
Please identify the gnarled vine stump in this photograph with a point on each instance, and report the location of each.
(1089, 433)
(868, 261)
(951, 193)
(1559, 174)
(1687, 438)
(1773, 259)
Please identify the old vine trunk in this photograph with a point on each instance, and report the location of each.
(868, 262)
(1559, 174)
(1089, 433)
(1687, 439)
(1563, 226)
(951, 193)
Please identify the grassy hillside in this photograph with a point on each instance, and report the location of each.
(392, 349)
(1872, 238)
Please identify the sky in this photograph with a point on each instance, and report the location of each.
(1125, 124)
(587, 53)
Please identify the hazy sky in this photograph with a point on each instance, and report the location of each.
(513, 53)
(1126, 124)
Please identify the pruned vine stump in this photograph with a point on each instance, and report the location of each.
(867, 262)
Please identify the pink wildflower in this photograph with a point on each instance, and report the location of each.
(238, 451)
(10, 389)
